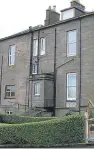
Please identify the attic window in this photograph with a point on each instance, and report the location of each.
(67, 14)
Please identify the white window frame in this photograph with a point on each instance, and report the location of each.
(35, 47)
(69, 74)
(11, 55)
(36, 86)
(42, 46)
(70, 14)
(34, 68)
(73, 42)
(12, 87)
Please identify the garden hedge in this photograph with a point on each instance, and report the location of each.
(14, 119)
(64, 130)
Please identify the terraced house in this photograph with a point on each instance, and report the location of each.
(50, 66)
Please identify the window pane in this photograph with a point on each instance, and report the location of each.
(72, 92)
(12, 93)
(12, 89)
(12, 59)
(9, 60)
(72, 36)
(38, 88)
(67, 14)
(35, 47)
(34, 68)
(35, 89)
(13, 50)
(8, 88)
(8, 94)
(72, 80)
(72, 49)
(42, 46)
(10, 51)
(12, 55)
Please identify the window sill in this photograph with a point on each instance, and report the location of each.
(12, 66)
(37, 95)
(71, 101)
(9, 98)
(34, 73)
(71, 55)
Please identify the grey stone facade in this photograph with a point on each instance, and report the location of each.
(81, 64)
(15, 75)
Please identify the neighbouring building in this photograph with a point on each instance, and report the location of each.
(50, 66)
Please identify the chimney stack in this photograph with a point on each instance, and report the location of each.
(51, 16)
(77, 4)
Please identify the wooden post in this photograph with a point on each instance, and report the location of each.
(88, 110)
(86, 127)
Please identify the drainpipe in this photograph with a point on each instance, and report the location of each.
(1, 78)
(30, 67)
(80, 70)
(38, 51)
(54, 94)
(31, 51)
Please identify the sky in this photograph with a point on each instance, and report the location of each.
(18, 15)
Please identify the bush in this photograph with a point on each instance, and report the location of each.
(66, 130)
(13, 119)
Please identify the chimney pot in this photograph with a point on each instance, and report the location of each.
(49, 8)
(54, 7)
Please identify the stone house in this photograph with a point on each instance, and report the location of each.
(50, 66)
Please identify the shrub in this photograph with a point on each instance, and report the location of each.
(13, 119)
(66, 130)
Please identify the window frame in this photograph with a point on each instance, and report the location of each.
(9, 97)
(67, 88)
(36, 69)
(42, 47)
(66, 18)
(11, 56)
(69, 54)
(35, 47)
(35, 90)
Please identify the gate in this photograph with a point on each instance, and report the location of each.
(89, 125)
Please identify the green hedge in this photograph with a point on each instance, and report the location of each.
(13, 119)
(66, 130)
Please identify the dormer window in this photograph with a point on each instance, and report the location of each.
(67, 14)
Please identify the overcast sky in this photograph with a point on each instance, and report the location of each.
(18, 15)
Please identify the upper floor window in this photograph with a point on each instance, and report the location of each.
(10, 91)
(42, 46)
(71, 43)
(37, 89)
(71, 86)
(35, 47)
(67, 14)
(34, 68)
(11, 55)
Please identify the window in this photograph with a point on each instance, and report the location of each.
(11, 56)
(71, 43)
(34, 68)
(71, 86)
(35, 47)
(37, 89)
(67, 14)
(42, 46)
(10, 91)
